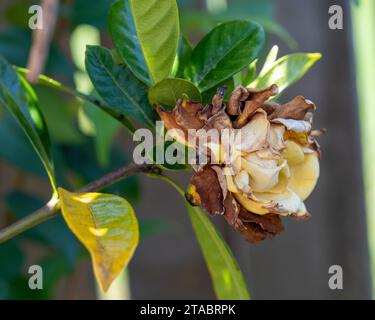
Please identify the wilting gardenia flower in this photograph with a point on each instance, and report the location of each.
(274, 162)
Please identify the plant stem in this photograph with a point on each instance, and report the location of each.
(51, 209)
(35, 218)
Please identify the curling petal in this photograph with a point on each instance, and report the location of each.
(253, 136)
(264, 173)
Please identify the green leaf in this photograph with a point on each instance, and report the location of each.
(270, 60)
(228, 281)
(226, 50)
(20, 100)
(107, 227)
(286, 70)
(168, 91)
(146, 35)
(116, 84)
(183, 56)
(249, 74)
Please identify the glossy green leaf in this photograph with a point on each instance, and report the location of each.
(183, 56)
(249, 74)
(118, 87)
(286, 70)
(168, 91)
(270, 60)
(106, 225)
(228, 281)
(226, 50)
(20, 100)
(146, 35)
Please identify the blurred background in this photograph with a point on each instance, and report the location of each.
(168, 263)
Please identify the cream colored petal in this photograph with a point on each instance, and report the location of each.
(275, 139)
(305, 175)
(253, 136)
(293, 153)
(264, 174)
(302, 211)
(294, 125)
(268, 154)
(286, 203)
(283, 183)
(242, 181)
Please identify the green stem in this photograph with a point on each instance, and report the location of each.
(37, 217)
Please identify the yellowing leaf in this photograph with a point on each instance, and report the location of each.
(107, 226)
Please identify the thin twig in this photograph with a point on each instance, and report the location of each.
(52, 208)
(42, 39)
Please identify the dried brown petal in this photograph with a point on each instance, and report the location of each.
(219, 121)
(170, 123)
(253, 227)
(206, 185)
(232, 210)
(257, 98)
(239, 95)
(222, 180)
(270, 223)
(186, 114)
(305, 217)
(270, 107)
(295, 109)
(253, 233)
(318, 132)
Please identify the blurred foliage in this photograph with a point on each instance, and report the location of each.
(80, 154)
